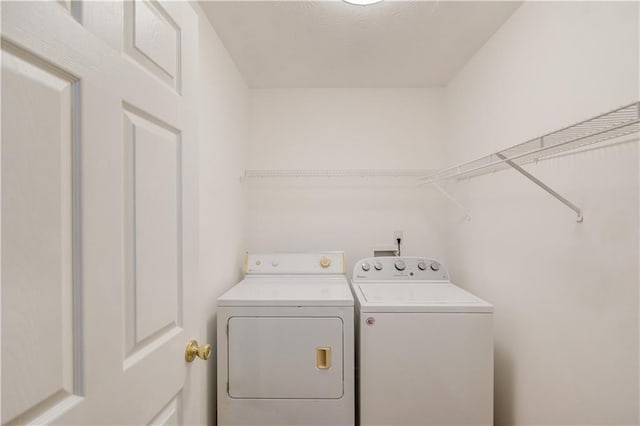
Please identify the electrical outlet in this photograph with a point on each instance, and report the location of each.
(396, 235)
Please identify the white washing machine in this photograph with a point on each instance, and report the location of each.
(424, 345)
(286, 343)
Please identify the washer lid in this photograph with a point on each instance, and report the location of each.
(289, 291)
(422, 297)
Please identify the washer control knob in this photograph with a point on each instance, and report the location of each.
(325, 262)
(400, 265)
(422, 266)
(435, 266)
(365, 266)
(378, 266)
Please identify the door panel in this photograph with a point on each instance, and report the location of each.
(152, 39)
(37, 225)
(278, 357)
(154, 285)
(170, 413)
(99, 241)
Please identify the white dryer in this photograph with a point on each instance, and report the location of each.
(424, 345)
(286, 343)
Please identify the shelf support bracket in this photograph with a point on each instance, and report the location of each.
(467, 215)
(542, 185)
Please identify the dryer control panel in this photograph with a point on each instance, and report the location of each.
(321, 263)
(403, 268)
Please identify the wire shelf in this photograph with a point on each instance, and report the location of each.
(605, 127)
(614, 124)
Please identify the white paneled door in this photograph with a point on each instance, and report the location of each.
(99, 210)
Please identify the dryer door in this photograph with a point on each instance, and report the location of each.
(285, 357)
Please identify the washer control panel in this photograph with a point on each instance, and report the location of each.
(403, 268)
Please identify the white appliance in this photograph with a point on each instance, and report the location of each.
(424, 345)
(286, 343)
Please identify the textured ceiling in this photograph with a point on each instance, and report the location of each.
(335, 44)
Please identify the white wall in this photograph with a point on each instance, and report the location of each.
(336, 129)
(223, 134)
(565, 294)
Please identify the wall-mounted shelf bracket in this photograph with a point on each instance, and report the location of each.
(543, 186)
(465, 211)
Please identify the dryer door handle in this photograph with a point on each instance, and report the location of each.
(323, 358)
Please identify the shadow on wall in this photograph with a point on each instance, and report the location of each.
(212, 374)
(503, 377)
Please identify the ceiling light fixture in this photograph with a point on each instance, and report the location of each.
(362, 2)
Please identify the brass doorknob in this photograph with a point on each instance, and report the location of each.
(193, 350)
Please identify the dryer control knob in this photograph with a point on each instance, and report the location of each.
(378, 266)
(325, 262)
(435, 266)
(400, 265)
(422, 266)
(365, 267)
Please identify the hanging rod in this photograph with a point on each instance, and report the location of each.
(613, 124)
(314, 173)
